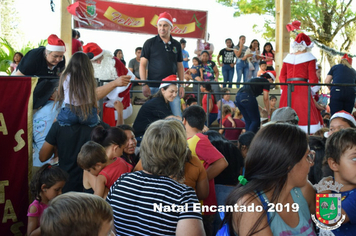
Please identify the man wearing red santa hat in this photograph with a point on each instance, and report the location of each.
(163, 54)
(300, 68)
(108, 68)
(44, 61)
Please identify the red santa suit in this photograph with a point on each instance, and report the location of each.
(121, 94)
(109, 69)
(301, 66)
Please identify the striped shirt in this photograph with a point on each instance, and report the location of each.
(145, 204)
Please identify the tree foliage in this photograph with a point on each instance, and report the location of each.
(324, 20)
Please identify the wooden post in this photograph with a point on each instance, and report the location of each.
(66, 29)
(282, 34)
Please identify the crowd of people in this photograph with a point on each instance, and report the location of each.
(167, 174)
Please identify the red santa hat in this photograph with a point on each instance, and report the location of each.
(302, 40)
(344, 114)
(166, 17)
(93, 48)
(341, 114)
(168, 81)
(55, 44)
(271, 73)
(346, 57)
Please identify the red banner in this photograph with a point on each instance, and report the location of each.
(16, 152)
(123, 17)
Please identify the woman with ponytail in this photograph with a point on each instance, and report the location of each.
(113, 140)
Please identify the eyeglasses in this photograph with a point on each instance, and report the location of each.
(168, 49)
(311, 156)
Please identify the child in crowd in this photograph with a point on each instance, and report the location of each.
(226, 115)
(92, 158)
(213, 161)
(196, 70)
(183, 105)
(191, 101)
(15, 61)
(183, 43)
(340, 120)
(77, 87)
(268, 55)
(213, 108)
(77, 214)
(340, 155)
(46, 184)
(234, 134)
(272, 104)
(263, 68)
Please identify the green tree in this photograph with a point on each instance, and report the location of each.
(326, 20)
(7, 53)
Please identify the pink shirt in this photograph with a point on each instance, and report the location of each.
(40, 208)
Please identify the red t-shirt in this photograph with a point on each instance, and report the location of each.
(200, 146)
(233, 134)
(76, 44)
(113, 171)
(205, 102)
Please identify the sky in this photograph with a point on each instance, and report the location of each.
(221, 25)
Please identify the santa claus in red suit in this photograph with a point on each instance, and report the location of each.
(300, 68)
(108, 68)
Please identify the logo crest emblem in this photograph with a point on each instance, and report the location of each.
(91, 7)
(328, 205)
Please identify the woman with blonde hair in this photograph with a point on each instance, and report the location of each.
(342, 97)
(143, 201)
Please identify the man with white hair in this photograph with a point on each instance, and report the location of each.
(163, 54)
(109, 68)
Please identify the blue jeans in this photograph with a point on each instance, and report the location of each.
(247, 104)
(67, 118)
(228, 74)
(342, 98)
(175, 105)
(242, 68)
(253, 73)
(212, 118)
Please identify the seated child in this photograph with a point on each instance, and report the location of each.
(226, 115)
(234, 134)
(46, 184)
(196, 71)
(92, 158)
(340, 155)
(263, 68)
(79, 214)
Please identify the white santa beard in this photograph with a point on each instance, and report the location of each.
(106, 69)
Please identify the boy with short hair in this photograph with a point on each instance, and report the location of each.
(191, 102)
(272, 103)
(92, 158)
(76, 213)
(185, 54)
(214, 162)
(340, 154)
(263, 68)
